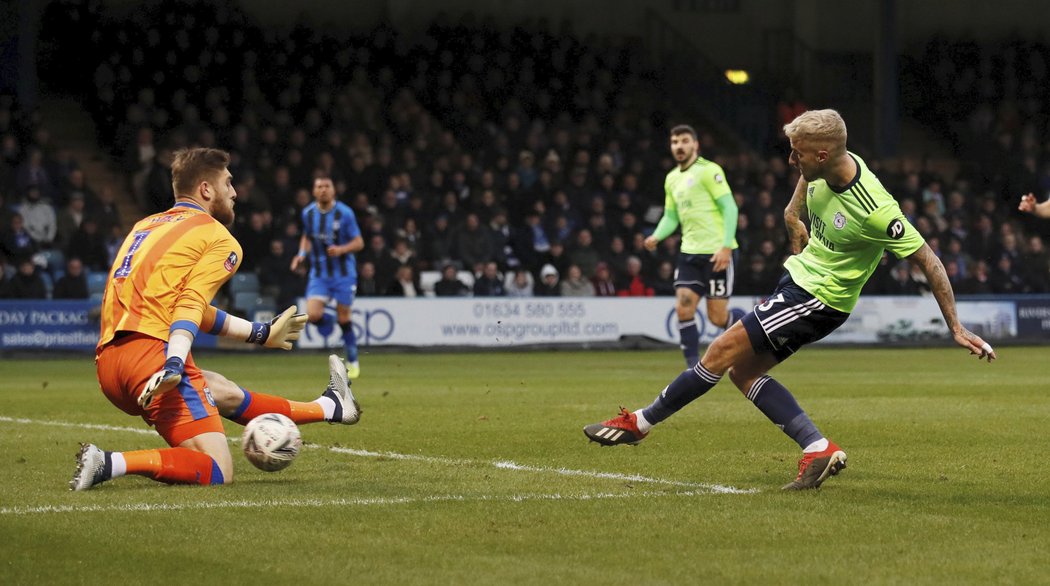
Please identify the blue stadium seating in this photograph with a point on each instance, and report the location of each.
(96, 282)
(244, 282)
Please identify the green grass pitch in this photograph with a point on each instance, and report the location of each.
(472, 468)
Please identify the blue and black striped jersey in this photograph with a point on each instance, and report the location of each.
(337, 226)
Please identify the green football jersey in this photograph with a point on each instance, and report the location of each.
(692, 194)
(849, 231)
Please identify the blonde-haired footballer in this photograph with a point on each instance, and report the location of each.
(853, 219)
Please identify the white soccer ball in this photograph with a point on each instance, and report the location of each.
(271, 442)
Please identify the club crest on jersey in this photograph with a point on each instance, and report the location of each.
(691, 181)
(231, 262)
(335, 225)
(839, 221)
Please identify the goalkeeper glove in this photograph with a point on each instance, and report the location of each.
(280, 332)
(162, 381)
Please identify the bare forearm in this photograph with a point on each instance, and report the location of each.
(939, 284)
(1042, 210)
(796, 208)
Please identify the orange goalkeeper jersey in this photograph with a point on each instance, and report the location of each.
(167, 272)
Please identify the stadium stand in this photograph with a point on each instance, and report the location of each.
(537, 133)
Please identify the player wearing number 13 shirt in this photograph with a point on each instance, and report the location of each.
(853, 220)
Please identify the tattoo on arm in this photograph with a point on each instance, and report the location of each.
(796, 208)
(940, 285)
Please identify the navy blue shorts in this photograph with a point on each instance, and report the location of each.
(695, 272)
(789, 319)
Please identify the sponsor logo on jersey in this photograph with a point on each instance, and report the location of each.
(231, 262)
(719, 178)
(839, 221)
(896, 229)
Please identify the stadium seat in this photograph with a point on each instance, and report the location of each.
(245, 303)
(427, 280)
(96, 282)
(96, 298)
(56, 261)
(49, 283)
(246, 282)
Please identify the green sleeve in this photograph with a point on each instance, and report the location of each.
(727, 205)
(888, 227)
(667, 224)
(714, 179)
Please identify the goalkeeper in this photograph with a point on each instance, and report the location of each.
(156, 301)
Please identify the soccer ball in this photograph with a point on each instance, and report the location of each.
(271, 442)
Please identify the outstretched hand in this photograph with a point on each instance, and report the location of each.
(285, 329)
(974, 344)
(1027, 204)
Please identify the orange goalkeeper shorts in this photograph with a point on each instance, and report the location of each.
(126, 364)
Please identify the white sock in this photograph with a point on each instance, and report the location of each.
(643, 425)
(327, 405)
(119, 465)
(818, 446)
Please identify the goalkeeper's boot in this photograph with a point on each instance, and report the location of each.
(91, 468)
(814, 468)
(622, 429)
(347, 411)
(353, 369)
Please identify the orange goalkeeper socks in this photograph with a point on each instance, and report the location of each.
(256, 404)
(170, 465)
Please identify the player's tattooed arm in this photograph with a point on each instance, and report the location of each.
(931, 266)
(793, 213)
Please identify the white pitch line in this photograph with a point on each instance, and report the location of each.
(343, 502)
(499, 464)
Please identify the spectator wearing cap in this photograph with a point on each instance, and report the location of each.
(548, 285)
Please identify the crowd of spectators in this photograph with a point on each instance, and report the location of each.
(514, 162)
(54, 228)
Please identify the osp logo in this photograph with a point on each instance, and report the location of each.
(671, 325)
(373, 326)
